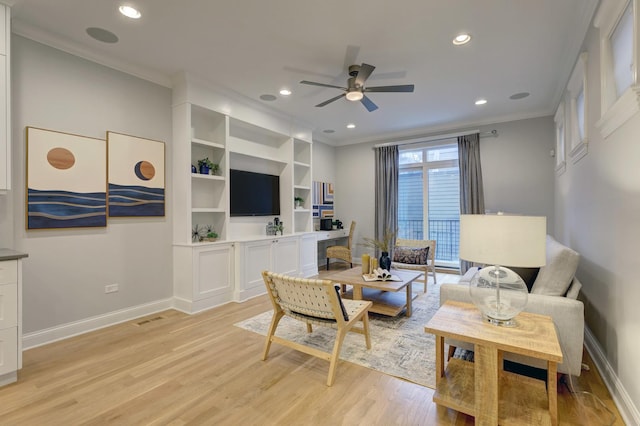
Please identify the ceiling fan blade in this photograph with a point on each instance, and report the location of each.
(313, 83)
(364, 73)
(368, 104)
(401, 88)
(331, 100)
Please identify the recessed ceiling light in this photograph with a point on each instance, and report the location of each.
(481, 101)
(268, 98)
(102, 35)
(285, 92)
(329, 131)
(130, 12)
(460, 39)
(519, 95)
(351, 126)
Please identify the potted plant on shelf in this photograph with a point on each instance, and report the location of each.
(299, 201)
(210, 235)
(205, 165)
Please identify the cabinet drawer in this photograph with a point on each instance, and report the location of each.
(8, 350)
(8, 272)
(8, 305)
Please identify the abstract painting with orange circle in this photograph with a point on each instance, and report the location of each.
(136, 176)
(66, 180)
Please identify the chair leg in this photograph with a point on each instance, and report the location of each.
(327, 263)
(365, 327)
(335, 356)
(277, 316)
(309, 327)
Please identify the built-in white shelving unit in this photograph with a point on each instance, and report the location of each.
(251, 142)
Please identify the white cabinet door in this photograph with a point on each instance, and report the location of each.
(212, 271)
(8, 305)
(285, 256)
(8, 351)
(255, 257)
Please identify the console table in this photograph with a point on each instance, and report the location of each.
(483, 389)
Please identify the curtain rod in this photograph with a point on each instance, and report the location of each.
(492, 133)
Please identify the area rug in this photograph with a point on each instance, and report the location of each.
(399, 345)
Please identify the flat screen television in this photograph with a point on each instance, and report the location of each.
(254, 194)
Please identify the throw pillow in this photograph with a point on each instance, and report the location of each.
(411, 255)
(528, 275)
(555, 277)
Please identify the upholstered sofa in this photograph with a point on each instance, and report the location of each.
(553, 292)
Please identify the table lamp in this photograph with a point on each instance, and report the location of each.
(518, 241)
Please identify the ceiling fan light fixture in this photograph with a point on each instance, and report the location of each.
(130, 12)
(355, 95)
(461, 39)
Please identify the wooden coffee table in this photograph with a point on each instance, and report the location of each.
(386, 295)
(483, 389)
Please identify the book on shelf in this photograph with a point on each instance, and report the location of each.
(380, 274)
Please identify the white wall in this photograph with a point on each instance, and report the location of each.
(516, 168)
(598, 214)
(66, 271)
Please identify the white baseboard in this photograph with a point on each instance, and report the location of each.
(64, 331)
(627, 408)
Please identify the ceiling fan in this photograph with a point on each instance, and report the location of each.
(355, 90)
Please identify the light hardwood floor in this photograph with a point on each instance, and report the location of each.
(173, 369)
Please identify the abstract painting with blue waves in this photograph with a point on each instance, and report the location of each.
(65, 209)
(132, 200)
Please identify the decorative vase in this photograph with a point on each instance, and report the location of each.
(385, 260)
(204, 170)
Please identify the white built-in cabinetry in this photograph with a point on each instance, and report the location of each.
(5, 101)
(277, 254)
(207, 274)
(10, 315)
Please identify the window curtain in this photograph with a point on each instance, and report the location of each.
(386, 187)
(471, 190)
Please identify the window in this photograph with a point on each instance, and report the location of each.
(578, 96)
(618, 22)
(622, 52)
(429, 198)
(560, 138)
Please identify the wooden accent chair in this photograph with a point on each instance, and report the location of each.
(314, 301)
(425, 268)
(342, 252)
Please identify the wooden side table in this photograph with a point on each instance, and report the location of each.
(483, 389)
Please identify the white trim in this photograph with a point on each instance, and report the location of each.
(628, 411)
(578, 84)
(64, 331)
(620, 112)
(615, 111)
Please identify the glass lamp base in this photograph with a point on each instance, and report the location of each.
(500, 322)
(499, 293)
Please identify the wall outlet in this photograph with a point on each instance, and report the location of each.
(111, 288)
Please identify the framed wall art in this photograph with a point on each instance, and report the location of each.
(136, 176)
(322, 197)
(66, 180)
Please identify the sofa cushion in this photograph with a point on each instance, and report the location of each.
(555, 277)
(411, 255)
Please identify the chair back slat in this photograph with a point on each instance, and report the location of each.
(303, 296)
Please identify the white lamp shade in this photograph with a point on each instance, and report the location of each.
(511, 240)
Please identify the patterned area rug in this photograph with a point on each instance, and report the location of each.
(399, 345)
